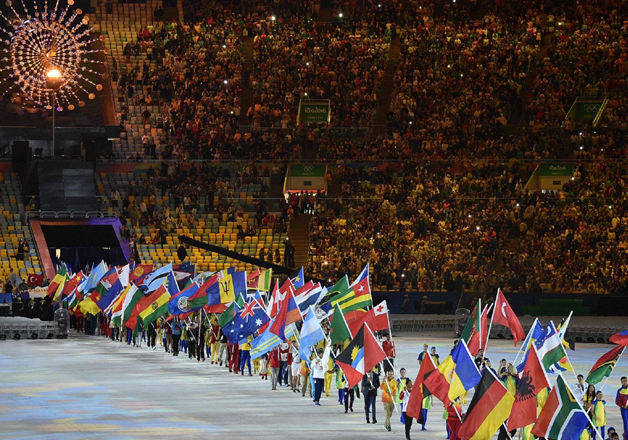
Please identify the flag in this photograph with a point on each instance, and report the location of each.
(533, 380)
(116, 312)
(293, 314)
(338, 330)
(73, 300)
(562, 416)
(480, 334)
(227, 316)
(297, 278)
(124, 273)
(107, 289)
(57, 280)
(94, 277)
(269, 338)
(437, 381)
(182, 302)
(227, 288)
(184, 272)
(264, 280)
(620, 338)
(535, 332)
(139, 271)
(305, 288)
(151, 307)
(376, 318)
(465, 374)
(604, 365)
(360, 356)
(488, 410)
(35, 279)
(416, 397)
(358, 296)
(252, 279)
(153, 280)
(550, 347)
(71, 285)
(62, 278)
(337, 289)
(248, 319)
(504, 315)
(133, 296)
(311, 298)
(311, 334)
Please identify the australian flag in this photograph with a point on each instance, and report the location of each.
(248, 319)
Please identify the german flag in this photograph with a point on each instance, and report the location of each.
(488, 410)
(604, 366)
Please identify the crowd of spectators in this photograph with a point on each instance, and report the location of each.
(474, 227)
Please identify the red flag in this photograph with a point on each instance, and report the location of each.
(72, 284)
(437, 384)
(35, 279)
(620, 338)
(304, 288)
(503, 314)
(376, 318)
(475, 344)
(252, 279)
(533, 380)
(416, 397)
(140, 270)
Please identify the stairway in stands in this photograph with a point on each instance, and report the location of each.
(385, 94)
(299, 235)
(246, 97)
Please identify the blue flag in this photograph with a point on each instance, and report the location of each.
(248, 319)
(311, 333)
(297, 278)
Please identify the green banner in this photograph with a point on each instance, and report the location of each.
(313, 111)
(307, 170)
(565, 169)
(587, 110)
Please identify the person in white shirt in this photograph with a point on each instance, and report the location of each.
(318, 374)
(580, 389)
(405, 396)
(296, 368)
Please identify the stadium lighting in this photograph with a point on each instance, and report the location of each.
(340, 15)
(273, 18)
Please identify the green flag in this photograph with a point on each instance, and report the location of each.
(339, 330)
(337, 291)
(226, 316)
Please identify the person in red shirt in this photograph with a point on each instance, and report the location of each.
(235, 357)
(389, 349)
(454, 414)
(273, 364)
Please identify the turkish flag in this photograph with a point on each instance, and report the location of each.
(416, 397)
(35, 279)
(503, 314)
(533, 380)
(376, 318)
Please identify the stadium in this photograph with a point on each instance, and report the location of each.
(249, 183)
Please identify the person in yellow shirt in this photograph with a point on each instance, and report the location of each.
(245, 355)
(389, 389)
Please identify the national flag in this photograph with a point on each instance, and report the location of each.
(139, 271)
(90, 283)
(297, 278)
(358, 296)
(181, 302)
(151, 307)
(311, 334)
(480, 336)
(116, 312)
(338, 330)
(72, 284)
(465, 374)
(227, 288)
(35, 279)
(360, 356)
(620, 338)
(124, 273)
(293, 314)
(72, 300)
(227, 316)
(252, 280)
(376, 318)
(279, 293)
(269, 338)
(133, 296)
(57, 280)
(153, 280)
(550, 347)
(488, 410)
(535, 332)
(504, 315)
(107, 289)
(532, 381)
(473, 322)
(562, 416)
(337, 289)
(249, 318)
(418, 392)
(310, 298)
(264, 280)
(305, 288)
(604, 365)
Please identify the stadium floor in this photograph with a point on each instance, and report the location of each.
(92, 388)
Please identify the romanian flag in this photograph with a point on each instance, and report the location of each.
(488, 410)
(360, 356)
(151, 307)
(562, 417)
(604, 366)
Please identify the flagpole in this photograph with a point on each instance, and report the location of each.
(525, 340)
(490, 326)
(381, 366)
(488, 335)
(616, 362)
